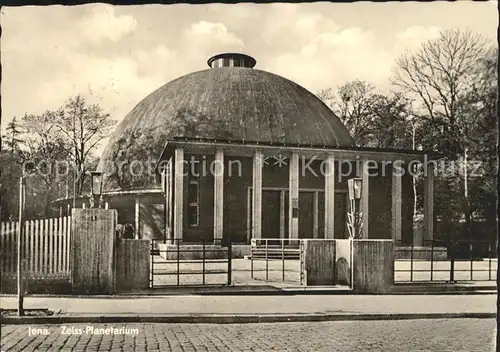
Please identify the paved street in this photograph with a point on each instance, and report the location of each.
(405, 335)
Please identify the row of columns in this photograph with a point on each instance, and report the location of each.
(293, 194)
(293, 201)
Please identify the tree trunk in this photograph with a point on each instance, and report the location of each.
(467, 212)
(47, 202)
(414, 181)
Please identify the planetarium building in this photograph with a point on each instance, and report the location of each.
(235, 153)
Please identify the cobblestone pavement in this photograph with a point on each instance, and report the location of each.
(404, 335)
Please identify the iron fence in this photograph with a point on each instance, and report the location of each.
(179, 264)
(275, 253)
(448, 261)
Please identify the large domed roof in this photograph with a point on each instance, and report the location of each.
(239, 103)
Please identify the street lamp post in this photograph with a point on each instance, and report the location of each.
(96, 178)
(355, 223)
(20, 239)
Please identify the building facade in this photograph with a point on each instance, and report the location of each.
(234, 153)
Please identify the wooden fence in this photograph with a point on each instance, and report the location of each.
(46, 248)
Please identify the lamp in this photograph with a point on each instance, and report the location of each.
(96, 179)
(354, 218)
(355, 185)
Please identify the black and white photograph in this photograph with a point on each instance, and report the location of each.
(246, 176)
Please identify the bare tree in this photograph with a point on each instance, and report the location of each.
(327, 96)
(440, 74)
(390, 121)
(82, 127)
(439, 77)
(42, 151)
(351, 103)
(372, 119)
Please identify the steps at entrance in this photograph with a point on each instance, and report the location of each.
(191, 251)
(275, 253)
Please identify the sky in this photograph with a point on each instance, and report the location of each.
(117, 55)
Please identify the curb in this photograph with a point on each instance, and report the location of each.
(235, 319)
(285, 292)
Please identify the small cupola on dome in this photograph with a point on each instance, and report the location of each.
(231, 60)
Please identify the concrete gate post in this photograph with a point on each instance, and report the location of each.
(373, 266)
(326, 262)
(133, 260)
(93, 250)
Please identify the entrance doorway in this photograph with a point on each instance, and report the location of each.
(271, 206)
(311, 213)
(307, 214)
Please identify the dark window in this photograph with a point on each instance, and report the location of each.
(226, 62)
(237, 62)
(194, 194)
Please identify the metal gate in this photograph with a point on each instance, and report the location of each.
(284, 260)
(178, 264)
(277, 259)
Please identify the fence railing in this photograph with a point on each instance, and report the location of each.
(282, 257)
(45, 248)
(178, 264)
(450, 261)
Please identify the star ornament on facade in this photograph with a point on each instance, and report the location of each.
(280, 160)
(266, 161)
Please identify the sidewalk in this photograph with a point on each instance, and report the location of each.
(282, 308)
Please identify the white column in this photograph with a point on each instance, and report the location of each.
(365, 196)
(396, 204)
(169, 199)
(293, 194)
(428, 202)
(282, 214)
(106, 205)
(249, 215)
(330, 197)
(218, 196)
(178, 194)
(164, 187)
(258, 160)
(137, 217)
